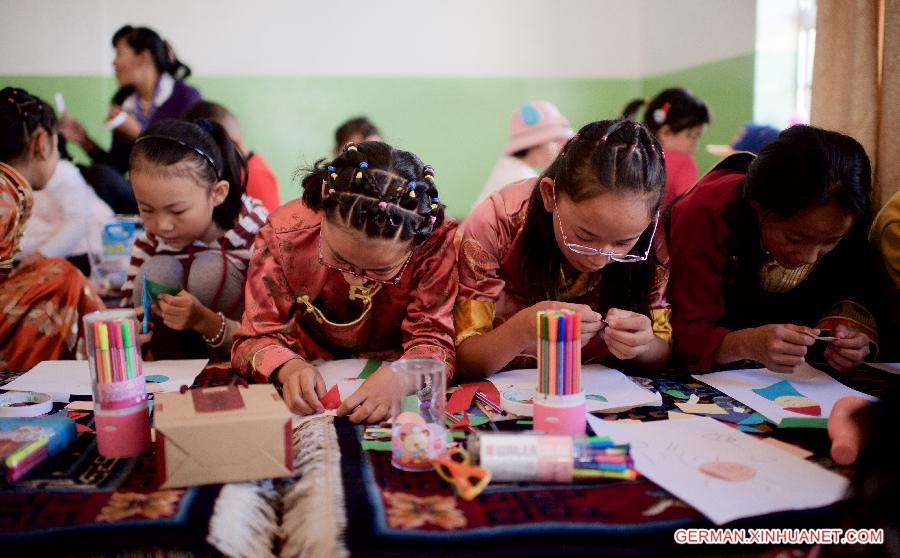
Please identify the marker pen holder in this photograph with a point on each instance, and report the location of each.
(121, 413)
(558, 398)
(560, 414)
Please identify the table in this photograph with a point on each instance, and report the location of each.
(334, 505)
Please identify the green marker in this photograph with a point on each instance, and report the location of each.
(128, 342)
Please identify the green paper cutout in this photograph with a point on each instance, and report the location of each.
(677, 394)
(376, 445)
(155, 289)
(596, 397)
(371, 366)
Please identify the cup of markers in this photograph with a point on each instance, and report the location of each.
(559, 399)
(121, 413)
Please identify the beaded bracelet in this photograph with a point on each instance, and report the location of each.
(215, 340)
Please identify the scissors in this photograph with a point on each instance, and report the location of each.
(455, 466)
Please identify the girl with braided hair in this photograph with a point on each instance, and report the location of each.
(363, 265)
(582, 236)
(41, 302)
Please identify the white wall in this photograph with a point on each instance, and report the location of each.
(528, 38)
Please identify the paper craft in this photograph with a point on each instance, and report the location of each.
(693, 405)
(606, 390)
(64, 378)
(342, 378)
(802, 398)
(790, 448)
(723, 473)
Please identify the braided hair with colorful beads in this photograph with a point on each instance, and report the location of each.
(606, 157)
(374, 188)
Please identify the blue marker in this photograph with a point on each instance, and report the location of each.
(145, 300)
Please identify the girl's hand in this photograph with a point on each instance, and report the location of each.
(628, 334)
(131, 128)
(143, 338)
(303, 387)
(591, 321)
(372, 401)
(849, 350)
(780, 347)
(182, 311)
(72, 129)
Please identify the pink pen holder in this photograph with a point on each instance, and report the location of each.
(560, 414)
(123, 432)
(121, 413)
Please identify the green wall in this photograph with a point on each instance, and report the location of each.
(459, 125)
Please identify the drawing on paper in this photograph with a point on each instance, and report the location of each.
(786, 396)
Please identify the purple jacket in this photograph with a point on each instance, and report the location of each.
(181, 97)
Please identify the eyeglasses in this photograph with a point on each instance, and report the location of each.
(589, 251)
(361, 273)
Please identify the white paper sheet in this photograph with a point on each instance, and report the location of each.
(63, 378)
(334, 371)
(765, 478)
(618, 390)
(811, 383)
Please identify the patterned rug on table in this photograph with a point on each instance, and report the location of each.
(81, 502)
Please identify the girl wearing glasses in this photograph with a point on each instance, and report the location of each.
(363, 265)
(770, 252)
(581, 236)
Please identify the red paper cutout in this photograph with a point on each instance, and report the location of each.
(332, 399)
(461, 399)
(812, 410)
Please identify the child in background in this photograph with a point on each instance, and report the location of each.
(768, 252)
(42, 302)
(355, 130)
(261, 181)
(677, 119)
(66, 220)
(189, 183)
(751, 137)
(363, 265)
(884, 238)
(582, 236)
(537, 130)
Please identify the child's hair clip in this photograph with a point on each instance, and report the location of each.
(412, 194)
(382, 204)
(429, 178)
(350, 147)
(359, 175)
(399, 188)
(364, 165)
(330, 191)
(435, 200)
(331, 168)
(434, 206)
(334, 176)
(432, 219)
(659, 115)
(604, 138)
(428, 170)
(412, 185)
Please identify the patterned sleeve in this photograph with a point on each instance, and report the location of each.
(265, 341)
(144, 248)
(660, 309)
(480, 284)
(428, 326)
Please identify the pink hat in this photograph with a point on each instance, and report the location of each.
(536, 122)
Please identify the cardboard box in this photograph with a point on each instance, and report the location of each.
(222, 434)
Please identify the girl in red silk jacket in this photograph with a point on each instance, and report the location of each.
(362, 265)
